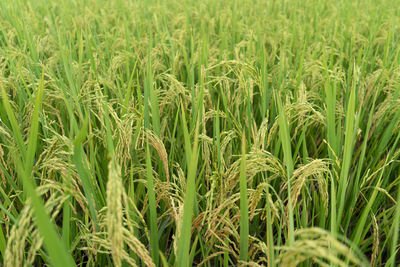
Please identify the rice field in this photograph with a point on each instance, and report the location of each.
(199, 133)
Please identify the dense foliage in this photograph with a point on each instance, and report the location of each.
(212, 133)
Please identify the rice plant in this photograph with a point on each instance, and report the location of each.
(199, 133)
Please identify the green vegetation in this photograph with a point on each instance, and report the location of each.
(199, 133)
